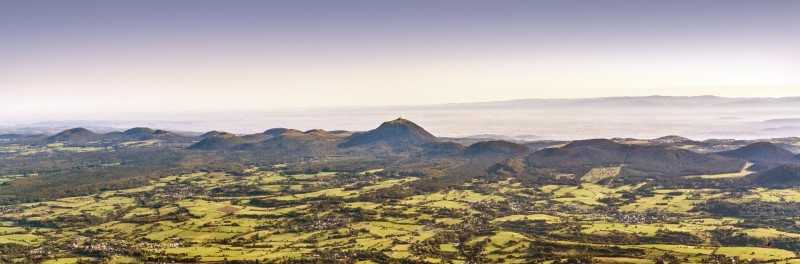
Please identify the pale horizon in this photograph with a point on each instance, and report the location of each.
(94, 115)
(696, 117)
(87, 57)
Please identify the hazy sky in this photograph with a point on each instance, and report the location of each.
(78, 57)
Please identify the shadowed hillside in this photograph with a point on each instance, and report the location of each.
(761, 152)
(139, 131)
(208, 134)
(293, 142)
(781, 176)
(255, 138)
(496, 147)
(398, 134)
(638, 160)
(76, 135)
(221, 140)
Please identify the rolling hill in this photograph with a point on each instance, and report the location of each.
(218, 141)
(293, 142)
(761, 152)
(637, 160)
(255, 138)
(78, 134)
(496, 148)
(208, 134)
(397, 134)
(782, 176)
(139, 132)
(274, 132)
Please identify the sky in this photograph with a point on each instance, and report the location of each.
(79, 58)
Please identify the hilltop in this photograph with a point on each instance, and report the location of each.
(221, 140)
(294, 142)
(637, 160)
(761, 152)
(139, 131)
(274, 132)
(781, 176)
(398, 134)
(255, 138)
(496, 147)
(78, 134)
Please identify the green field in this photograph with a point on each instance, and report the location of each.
(272, 216)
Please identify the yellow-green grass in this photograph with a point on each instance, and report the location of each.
(465, 196)
(449, 221)
(503, 238)
(586, 194)
(363, 205)
(448, 204)
(373, 243)
(531, 217)
(370, 171)
(768, 233)
(138, 212)
(756, 253)
(725, 221)
(384, 229)
(400, 251)
(12, 230)
(788, 261)
(21, 239)
(744, 172)
(219, 253)
(774, 195)
(620, 260)
(662, 201)
(65, 260)
(597, 174)
(341, 192)
(646, 229)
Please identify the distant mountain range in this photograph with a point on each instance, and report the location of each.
(661, 157)
(698, 118)
(632, 160)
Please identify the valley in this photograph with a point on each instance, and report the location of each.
(395, 194)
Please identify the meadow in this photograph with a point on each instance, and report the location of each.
(273, 216)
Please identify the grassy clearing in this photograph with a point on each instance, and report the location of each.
(744, 172)
(768, 233)
(662, 200)
(215, 228)
(756, 253)
(606, 260)
(531, 217)
(597, 174)
(773, 195)
(21, 239)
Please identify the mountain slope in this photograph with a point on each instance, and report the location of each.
(208, 134)
(139, 131)
(761, 152)
(294, 143)
(274, 132)
(398, 134)
(255, 138)
(78, 134)
(495, 147)
(781, 176)
(639, 160)
(222, 140)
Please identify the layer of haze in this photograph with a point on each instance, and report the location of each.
(75, 59)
